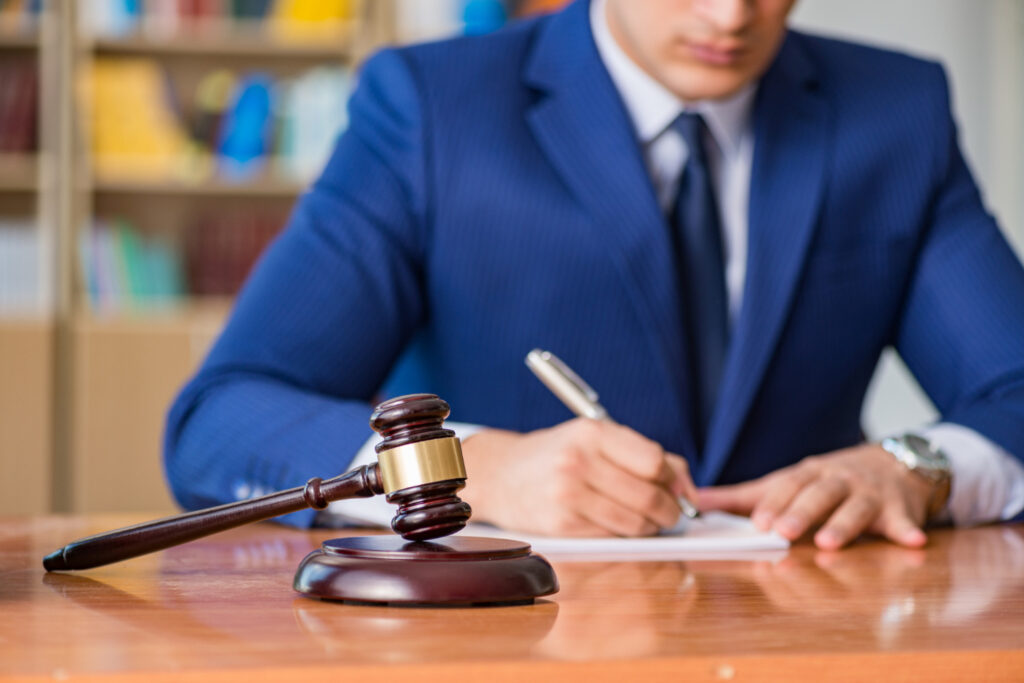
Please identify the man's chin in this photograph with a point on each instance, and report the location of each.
(701, 82)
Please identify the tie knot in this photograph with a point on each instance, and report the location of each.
(691, 126)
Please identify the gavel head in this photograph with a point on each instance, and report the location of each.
(421, 467)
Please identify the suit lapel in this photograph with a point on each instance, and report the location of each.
(792, 135)
(582, 126)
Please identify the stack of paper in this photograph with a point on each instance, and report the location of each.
(716, 535)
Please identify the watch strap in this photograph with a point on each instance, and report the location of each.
(921, 457)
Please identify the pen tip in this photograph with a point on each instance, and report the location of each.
(55, 561)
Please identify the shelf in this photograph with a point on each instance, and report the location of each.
(198, 313)
(19, 41)
(263, 187)
(236, 43)
(18, 173)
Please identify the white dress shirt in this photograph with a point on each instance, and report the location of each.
(988, 483)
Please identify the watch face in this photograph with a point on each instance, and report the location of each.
(918, 444)
(926, 457)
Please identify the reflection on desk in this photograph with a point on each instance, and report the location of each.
(223, 608)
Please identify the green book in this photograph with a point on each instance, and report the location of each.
(131, 271)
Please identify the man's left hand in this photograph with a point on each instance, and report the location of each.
(848, 492)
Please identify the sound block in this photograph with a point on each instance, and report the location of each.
(388, 570)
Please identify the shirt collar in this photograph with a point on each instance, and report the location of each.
(653, 108)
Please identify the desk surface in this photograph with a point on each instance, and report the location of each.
(223, 609)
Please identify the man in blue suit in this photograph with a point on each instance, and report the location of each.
(718, 222)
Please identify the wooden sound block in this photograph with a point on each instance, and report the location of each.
(458, 570)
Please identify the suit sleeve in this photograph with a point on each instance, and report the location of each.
(962, 328)
(284, 393)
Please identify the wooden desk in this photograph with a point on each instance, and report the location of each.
(222, 609)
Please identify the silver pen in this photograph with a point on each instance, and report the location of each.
(579, 397)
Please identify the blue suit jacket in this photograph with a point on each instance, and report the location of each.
(490, 197)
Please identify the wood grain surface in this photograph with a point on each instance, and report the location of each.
(222, 609)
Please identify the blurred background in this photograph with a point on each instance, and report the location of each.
(149, 149)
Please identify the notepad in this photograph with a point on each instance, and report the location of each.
(716, 535)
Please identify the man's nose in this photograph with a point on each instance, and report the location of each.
(728, 16)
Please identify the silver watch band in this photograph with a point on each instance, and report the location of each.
(918, 455)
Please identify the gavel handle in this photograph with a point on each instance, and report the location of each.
(148, 537)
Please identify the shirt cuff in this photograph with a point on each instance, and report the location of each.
(988, 482)
(376, 511)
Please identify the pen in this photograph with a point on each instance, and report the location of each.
(577, 395)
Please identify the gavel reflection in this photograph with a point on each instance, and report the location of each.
(419, 469)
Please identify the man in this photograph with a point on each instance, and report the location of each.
(718, 223)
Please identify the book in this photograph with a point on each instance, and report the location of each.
(301, 21)
(282, 20)
(124, 269)
(21, 268)
(135, 132)
(312, 113)
(237, 127)
(19, 107)
(221, 248)
(20, 16)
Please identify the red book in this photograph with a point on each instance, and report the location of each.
(7, 88)
(26, 109)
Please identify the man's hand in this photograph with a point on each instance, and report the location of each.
(847, 492)
(580, 478)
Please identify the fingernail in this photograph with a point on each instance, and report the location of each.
(788, 526)
(915, 537)
(762, 520)
(827, 538)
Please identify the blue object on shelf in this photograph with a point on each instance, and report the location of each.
(483, 16)
(244, 137)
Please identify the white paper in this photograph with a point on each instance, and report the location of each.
(716, 535)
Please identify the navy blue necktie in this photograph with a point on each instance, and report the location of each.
(698, 238)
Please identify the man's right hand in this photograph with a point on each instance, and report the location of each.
(579, 478)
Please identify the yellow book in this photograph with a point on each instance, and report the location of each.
(317, 20)
(134, 133)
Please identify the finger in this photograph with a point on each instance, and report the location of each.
(680, 483)
(578, 510)
(632, 452)
(849, 521)
(739, 499)
(780, 495)
(896, 525)
(577, 526)
(653, 501)
(811, 505)
(612, 516)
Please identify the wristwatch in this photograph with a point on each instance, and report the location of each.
(919, 456)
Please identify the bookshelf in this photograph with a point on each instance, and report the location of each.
(89, 371)
(264, 186)
(84, 387)
(245, 41)
(10, 42)
(128, 349)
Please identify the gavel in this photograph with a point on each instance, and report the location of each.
(419, 468)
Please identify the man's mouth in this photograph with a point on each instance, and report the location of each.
(717, 55)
